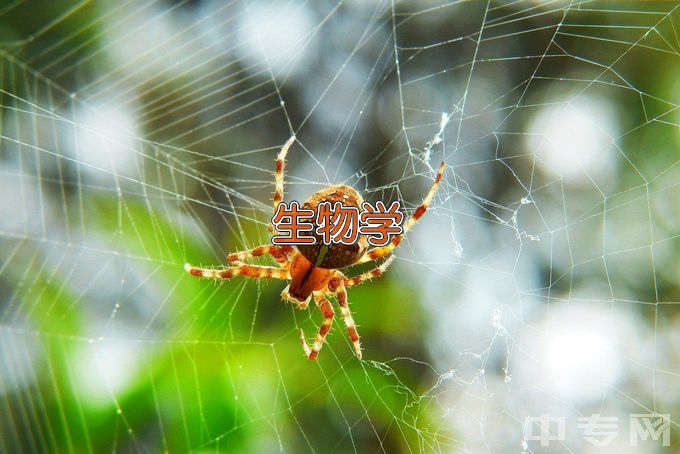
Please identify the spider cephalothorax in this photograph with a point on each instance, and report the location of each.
(313, 270)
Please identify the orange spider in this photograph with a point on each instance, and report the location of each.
(314, 269)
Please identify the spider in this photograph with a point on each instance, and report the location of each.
(314, 270)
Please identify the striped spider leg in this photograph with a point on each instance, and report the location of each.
(382, 251)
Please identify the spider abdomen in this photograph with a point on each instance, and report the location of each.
(335, 255)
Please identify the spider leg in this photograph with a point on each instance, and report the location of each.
(337, 286)
(279, 254)
(302, 305)
(382, 251)
(375, 272)
(278, 175)
(257, 271)
(328, 314)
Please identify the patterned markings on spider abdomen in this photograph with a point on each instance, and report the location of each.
(337, 255)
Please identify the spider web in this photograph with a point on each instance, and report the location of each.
(137, 136)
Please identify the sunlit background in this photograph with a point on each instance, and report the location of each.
(136, 136)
